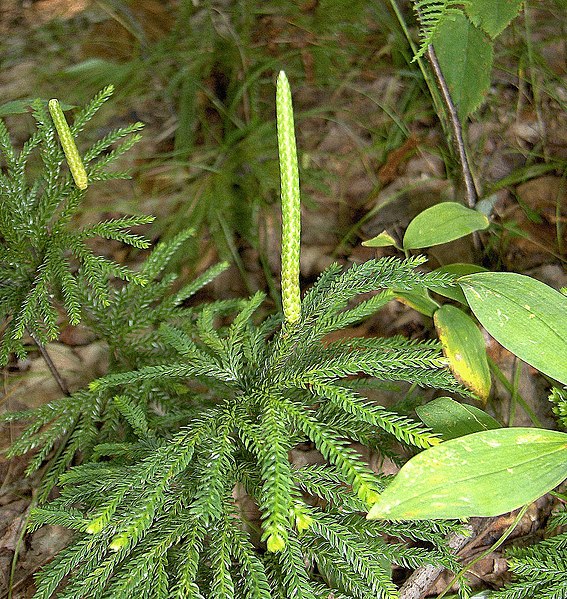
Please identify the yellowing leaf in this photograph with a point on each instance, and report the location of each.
(464, 347)
(484, 474)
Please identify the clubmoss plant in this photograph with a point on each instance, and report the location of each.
(201, 420)
(38, 239)
(45, 265)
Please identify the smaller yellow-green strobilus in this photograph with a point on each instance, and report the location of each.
(74, 161)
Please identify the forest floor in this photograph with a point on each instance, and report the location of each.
(360, 175)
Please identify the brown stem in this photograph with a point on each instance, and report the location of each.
(50, 364)
(458, 141)
(417, 585)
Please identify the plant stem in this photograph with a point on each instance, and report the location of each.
(457, 129)
(418, 583)
(432, 88)
(62, 384)
(513, 391)
(492, 548)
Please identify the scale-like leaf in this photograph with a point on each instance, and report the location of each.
(526, 316)
(483, 474)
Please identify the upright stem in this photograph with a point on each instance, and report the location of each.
(291, 214)
(458, 141)
(62, 384)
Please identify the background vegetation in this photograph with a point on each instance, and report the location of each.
(373, 154)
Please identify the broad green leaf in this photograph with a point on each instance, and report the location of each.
(419, 300)
(524, 315)
(465, 55)
(442, 223)
(483, 474)
(451, 419)
(464, 347)
(459, 269)
(492, 15)
(380, 241)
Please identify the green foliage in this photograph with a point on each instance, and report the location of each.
(38, 236)
(524, 315)
(202, 401)
(452, 419)
(199, 412)
(90, 419)
(42, 253)
(451, 221)
(540, 570)
(431, 15)
(462, 35)
(457, 478)
(168, 499)
(439, 224)
(465, 55)
(492, 16)
(559, 399)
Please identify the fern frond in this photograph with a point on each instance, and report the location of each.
(69, 518)
(540, 570)
(97, 168)
(133, 414)
(185, 585)
(112, 229)
(325, 482)
(253, 575)
(37, 234)
(214, 470)
(276, 498)
(83, 549)
(103, 144)
(402, 428)
(431, 14)
(294, 577)
(163, 253)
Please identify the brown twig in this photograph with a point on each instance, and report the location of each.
(50, 364)
(458, 141)
(417, 585)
